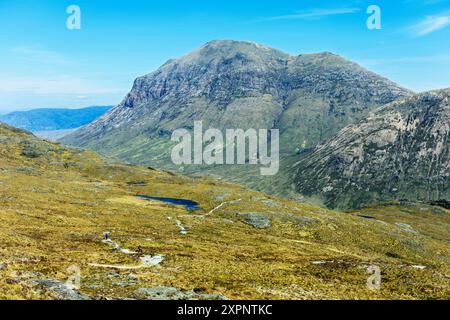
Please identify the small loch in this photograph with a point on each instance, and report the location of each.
(188, 204)
(367, 217)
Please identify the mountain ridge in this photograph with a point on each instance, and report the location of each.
(187, 78)
(401, 151)
(232, 84)
(50, 119)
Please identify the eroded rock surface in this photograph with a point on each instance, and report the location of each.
(399, 152)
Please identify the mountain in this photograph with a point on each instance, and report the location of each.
(64, 210)
(53, 119)
(231, 84)
(399, 152)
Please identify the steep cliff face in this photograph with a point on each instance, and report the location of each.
(399, 152)
(230, 84)
(222, 83)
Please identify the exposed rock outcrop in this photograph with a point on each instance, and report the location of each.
(399, 152)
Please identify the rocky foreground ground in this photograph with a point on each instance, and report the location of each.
(64, 210)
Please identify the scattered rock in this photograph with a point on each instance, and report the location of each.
(411, 244)
(112, 266)
(6, 198)
(419, 267)
(137, 183)
(115, 245)
(62, 290)
(406, 227)
(151, 261)
(113, 275)
(124, 283)
(183, 230)
(127, 251)
(171, 293)
(319, 262)
(269, 202)
(93, 286)
(221, 197)
(299, 221)
(257, 220)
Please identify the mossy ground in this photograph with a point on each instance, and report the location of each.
(54, 209)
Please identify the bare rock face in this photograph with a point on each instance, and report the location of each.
(399, 152)
(257, 220)
(231, 84)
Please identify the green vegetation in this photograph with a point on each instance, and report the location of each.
(55, 209)
(400, 152)
(234, 84)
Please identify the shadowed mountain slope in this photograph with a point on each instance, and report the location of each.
(231, 84)
(399, 152)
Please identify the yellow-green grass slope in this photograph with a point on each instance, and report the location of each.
(56, 203)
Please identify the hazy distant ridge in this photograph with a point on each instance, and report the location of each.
(48, 119)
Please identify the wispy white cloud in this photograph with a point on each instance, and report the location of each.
(41, 55)
(311, 14)
(431, 24)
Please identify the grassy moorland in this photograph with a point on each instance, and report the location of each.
(57, 203)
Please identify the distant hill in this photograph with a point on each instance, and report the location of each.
(39, 120)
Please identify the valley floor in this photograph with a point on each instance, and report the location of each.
(56, 206)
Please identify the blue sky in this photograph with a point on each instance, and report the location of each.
(44, 64)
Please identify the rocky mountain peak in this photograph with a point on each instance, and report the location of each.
(236, 84)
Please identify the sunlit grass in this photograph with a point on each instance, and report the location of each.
(55, 208)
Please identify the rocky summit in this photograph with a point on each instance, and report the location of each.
(393, 144)
(232, 84)
(401, 151)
